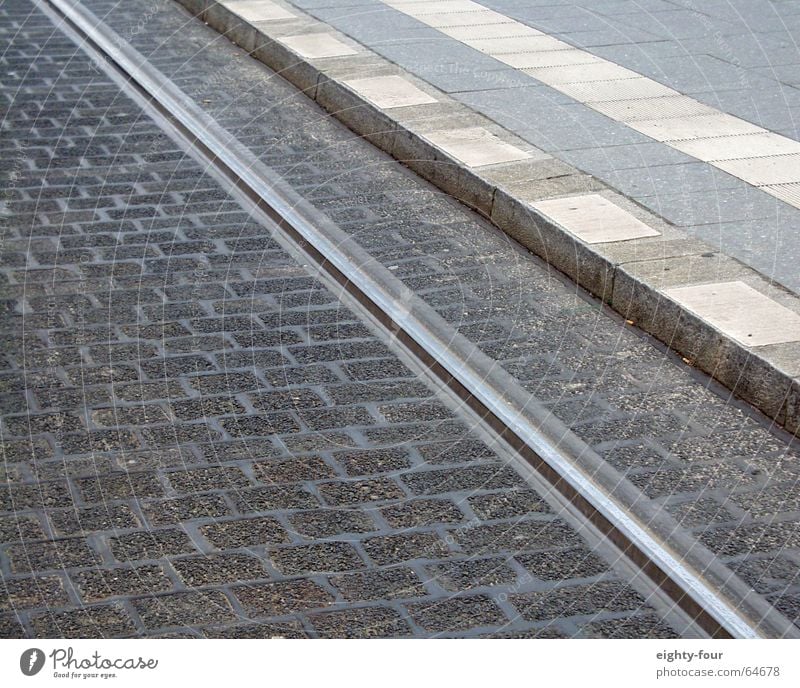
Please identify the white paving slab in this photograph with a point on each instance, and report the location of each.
(704, 126)
(548, 58)
(741, 312)
(507, 30)
(317, 45)
(464, 18)
(595, 219)
(653, 108)
(581, 73)
(390, 92)
(517, 44)
(259, 10)
(621, 89)
(737, 147)
(436, 7)
(475, 146)
(777, 169)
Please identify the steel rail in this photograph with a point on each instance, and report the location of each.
(720, 603)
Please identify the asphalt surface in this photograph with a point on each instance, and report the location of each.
(200, 440)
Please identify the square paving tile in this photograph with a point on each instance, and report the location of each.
(464, 33)
(737, 147)
(517, 44)
(653, 108)
(390, 92)
(317, 45)
(617, 89)
(581, 73)
(259, 10)
(416, 9)
(475, 146)
(776, 169)
(446, 19)
(548, 58)
(741, 312)
(704, 126)
(594, 219)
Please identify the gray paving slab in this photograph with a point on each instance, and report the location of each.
(785, 73)
(774, 108)
(601, 161)
(761, 17)
(614, 7)
(607, 36)
(373, 23)
(315, 4)
(686, 209)
(632, 54)
(769, 245)
(690, 177)
(749, 50)
(701, 73)
(678, 23)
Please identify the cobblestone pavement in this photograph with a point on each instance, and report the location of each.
(740, 57)
(159, 342)
(720, 469)
(199, 439)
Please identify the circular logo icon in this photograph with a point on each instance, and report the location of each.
(31, 661)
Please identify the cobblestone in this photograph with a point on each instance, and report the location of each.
(392, 583)
(100, 584)
(472, 573)
(457, 613)
(323, 523)
(108, 621)
(244, 532)
(364, 622)
(184, 609)
(152, 544)
(282, 597)
(579, 600)
(42, 591)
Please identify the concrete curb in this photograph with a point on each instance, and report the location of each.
(629, 276)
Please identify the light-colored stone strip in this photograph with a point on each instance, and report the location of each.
(741, 312)
(317, 45)
(389, 92)
(594, 219)
(475, 146)
(259, 10)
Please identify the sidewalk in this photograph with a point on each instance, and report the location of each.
(737, 58)
(655, 167)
